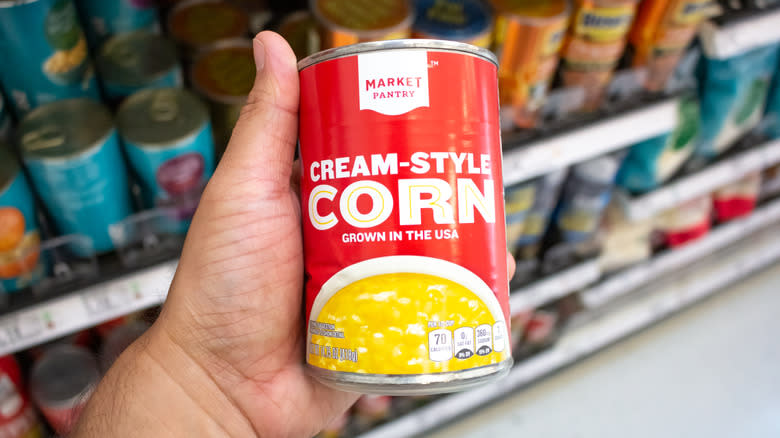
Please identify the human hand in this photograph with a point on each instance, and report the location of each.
(226, 356)
(229, 340)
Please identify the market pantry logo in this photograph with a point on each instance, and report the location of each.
(393, 83)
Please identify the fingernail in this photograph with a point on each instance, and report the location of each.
(259, 51)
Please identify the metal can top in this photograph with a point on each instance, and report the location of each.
(364, 16)
(457, 20)
(64, 128)
(9, 167)
(196, 23)
(532, 9)
(420, 44)
(160, 117)
(136, 58)
(225, 71)
(64, 376)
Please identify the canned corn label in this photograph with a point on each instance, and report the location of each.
(403, 213)
(20, 239)
(602, 23)
(44, 43)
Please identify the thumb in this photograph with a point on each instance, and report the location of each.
(263, 143)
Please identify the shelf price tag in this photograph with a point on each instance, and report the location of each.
(27, 326)
(100, 302)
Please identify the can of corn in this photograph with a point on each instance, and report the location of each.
(404, 237)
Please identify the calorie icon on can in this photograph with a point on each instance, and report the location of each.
(404, 238)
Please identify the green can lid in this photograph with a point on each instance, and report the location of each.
(136, 58)
(160, 117)
(64, 128)
(9, 167)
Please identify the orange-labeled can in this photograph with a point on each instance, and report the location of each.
(527, 40)
(345, 22)
(403, 217)
(595, 41)
(663, 29)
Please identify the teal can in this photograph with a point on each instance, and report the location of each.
(20, 239)
(104, 18)
(167, 137)
(132, 61)
(72, 152)
(44, 54)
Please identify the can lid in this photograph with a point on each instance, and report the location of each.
(225, 71)
(376, 46)
(363, 16)
(161, 116)
(63, 376)
(9, 167)
(196, 23)
(64, 128)
(460, 19)
(533, 10)
(135, 58)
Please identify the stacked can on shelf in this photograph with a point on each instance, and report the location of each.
(467, 21)
(72, 152)
(196, 24)
(104, 18)
(344, 22)
(44, 43)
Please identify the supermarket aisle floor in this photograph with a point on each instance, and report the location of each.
(712, 371)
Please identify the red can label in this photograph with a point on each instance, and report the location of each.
(403, 218)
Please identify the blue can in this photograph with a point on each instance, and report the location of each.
(132, 61)
(104, 18)
(44, 54)
(586, 195)
(20, 239)
(167, 137)
(72, 152)
(467, 21)
(772, 115)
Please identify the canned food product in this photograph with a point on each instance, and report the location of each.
(61, 382)
(300, 30)
(195, 24)
(661, 32)
(167, 137)
(44, 53)
(404, 234)
(132, 61)
(72, 152)
(737, 199)
(528, 36)
(468, 21)
(519, 200)
(104, 18)
(224, 74)
(594, 44)
(258, 13)
(344, 22)
(20, 239)
(17, 413)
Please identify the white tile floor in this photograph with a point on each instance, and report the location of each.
(712, 371)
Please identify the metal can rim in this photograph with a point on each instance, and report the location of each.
(101, 57)
(377, 46)
(227, 99)
(189, 3)
(405, 23)
(91, 371)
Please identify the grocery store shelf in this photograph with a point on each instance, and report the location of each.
(703, 182)
(553, 287)
(635, 277)
(653, 306)
(619, 131)
(734, 38)
(44, 322)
